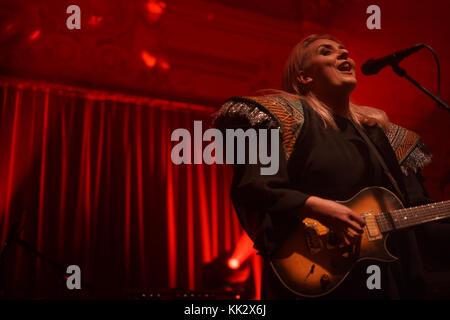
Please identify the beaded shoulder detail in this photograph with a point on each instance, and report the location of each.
(271, 112)
(409, 149)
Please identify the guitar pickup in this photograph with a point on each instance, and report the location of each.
(372, 229)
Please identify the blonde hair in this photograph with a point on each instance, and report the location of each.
(292, 86)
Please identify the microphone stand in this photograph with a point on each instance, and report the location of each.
(402, 73)
(14, 235)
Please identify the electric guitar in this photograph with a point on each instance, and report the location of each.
(312, 262)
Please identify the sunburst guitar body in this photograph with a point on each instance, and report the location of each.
(312, 262)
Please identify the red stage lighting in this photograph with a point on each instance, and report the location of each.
(95, 21)
(233, 264)
(163, 64)
(242, 251)
(149, 60)
(34, 35)
(155, 9)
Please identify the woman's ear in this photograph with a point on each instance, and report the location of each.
(303, 79)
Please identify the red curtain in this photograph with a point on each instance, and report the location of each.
(92, 173)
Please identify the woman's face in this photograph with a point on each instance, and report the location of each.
(328, 67)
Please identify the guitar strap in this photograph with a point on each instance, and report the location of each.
(380, 159)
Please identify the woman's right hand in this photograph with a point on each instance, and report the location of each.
(342, 220)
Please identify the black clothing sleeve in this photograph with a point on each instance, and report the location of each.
(267, 205)
(417, 193)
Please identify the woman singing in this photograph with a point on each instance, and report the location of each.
(324, 158)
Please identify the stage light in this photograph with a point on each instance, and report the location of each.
(163, 64)
(34, 35)
(149, 60)
(218, 275)
(233, 264)
(95, 21)
(242, 251)
(155, 9)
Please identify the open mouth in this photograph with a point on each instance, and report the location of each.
(345, 67)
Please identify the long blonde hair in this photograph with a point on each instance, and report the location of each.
(292, 86)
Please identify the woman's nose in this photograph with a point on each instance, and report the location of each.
(343, 54)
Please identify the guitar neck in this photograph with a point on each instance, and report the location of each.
(409, 217)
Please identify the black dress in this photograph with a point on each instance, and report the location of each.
(329, 164)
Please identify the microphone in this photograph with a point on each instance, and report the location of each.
(373, 66)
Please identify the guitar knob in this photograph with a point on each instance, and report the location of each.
(324, 280)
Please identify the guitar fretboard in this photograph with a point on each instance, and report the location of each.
(404, 218)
